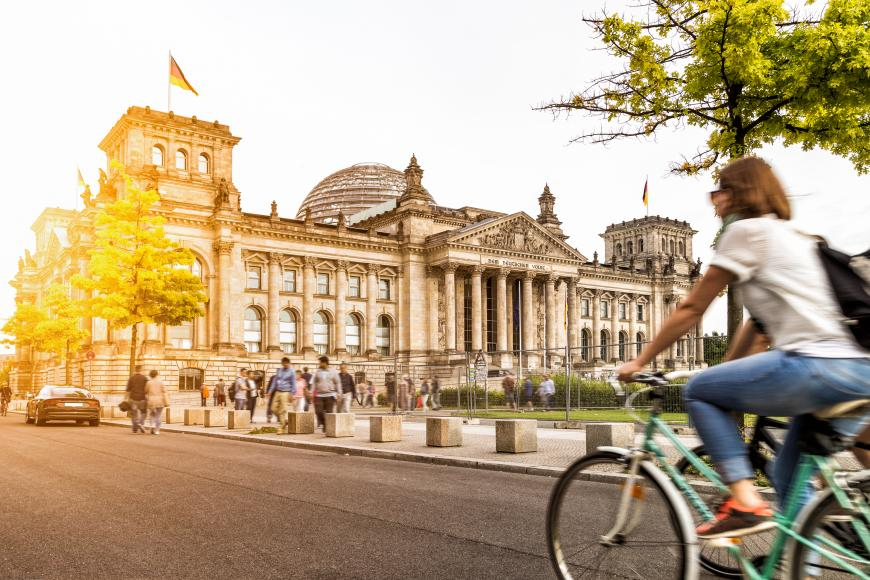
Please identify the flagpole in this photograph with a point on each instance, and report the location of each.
(169, 85)
(647, 194)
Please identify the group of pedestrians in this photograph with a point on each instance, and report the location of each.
(146, 396)
(428, 397)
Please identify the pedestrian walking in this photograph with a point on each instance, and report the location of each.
(546, 392)
(136, 398)
(5, 399)
(300, 399)
(220, 392)
(239, 390)
(156, 399)
(436, 393)
(348, 388)
(507, 384)
(424, 393)
(282, 390)
(412, 393)
(307, 376)
(528, 393)
(203, 395)
(403, 394)
(271, 392)
(326, 388)
(253, 395)
(390, 385)
(370, 395)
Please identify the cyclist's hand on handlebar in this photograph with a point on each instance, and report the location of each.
(626, 371)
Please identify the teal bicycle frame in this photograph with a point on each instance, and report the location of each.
(809, 465)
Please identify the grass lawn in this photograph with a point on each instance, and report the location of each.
(610, 415)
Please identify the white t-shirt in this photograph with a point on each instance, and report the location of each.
(784, 285)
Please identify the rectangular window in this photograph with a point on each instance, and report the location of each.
(623, 313)
(352, 339)
(254, 275)
(640, 312)
(289, 280)
(605, 309)
(180, 336)
(323, 283)
(383, 289)
(584, 307)
(354, 285)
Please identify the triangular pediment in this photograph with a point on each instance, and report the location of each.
(515, 233)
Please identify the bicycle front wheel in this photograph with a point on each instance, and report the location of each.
(598, 529)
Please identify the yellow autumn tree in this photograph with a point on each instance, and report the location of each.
(60, 333)
(136, 274)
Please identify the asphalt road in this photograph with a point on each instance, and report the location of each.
(82, 502)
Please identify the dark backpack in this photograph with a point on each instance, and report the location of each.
(232, 391)
(850, 281)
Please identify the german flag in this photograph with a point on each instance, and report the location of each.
(645, 192)
(176, 77)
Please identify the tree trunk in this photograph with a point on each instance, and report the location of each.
(134, 336)
(68, 368)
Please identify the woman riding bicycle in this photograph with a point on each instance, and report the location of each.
(815, 362)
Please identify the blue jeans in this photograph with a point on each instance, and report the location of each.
(774, 383)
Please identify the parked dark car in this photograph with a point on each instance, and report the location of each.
(55, 403)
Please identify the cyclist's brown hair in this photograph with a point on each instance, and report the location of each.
(755, 189)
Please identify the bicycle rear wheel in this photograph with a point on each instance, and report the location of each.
(583, 508)
(828, 522)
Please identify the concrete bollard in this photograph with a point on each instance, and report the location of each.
(300, 423)
(609, 435)
(384, 428)
(444, 431)
(173, 415)
(516, 435)
(214, 417)
(339, 424)
(193, 416)
(238, 419)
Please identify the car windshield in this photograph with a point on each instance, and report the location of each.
(68, 392)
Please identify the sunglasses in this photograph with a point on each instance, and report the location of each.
(716, 192)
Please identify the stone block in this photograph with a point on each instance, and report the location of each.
(444, 431)
(516, 435)
(214, 417)
(609, 435)
(384, 428)
(238, 419)
(300, 423)
(173, 415)
(340, 424)
(193, 416)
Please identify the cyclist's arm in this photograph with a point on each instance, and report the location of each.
(689, 312)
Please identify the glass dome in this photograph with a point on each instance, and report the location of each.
(352, 190)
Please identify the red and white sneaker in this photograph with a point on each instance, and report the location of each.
(733, 520)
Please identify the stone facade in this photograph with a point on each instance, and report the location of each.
(405, 279)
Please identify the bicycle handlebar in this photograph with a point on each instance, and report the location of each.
(653, 379)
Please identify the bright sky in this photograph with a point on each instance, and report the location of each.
(317, 86)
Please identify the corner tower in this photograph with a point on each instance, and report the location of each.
(650, 237)
(189, 161)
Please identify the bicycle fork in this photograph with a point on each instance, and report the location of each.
(632, 493)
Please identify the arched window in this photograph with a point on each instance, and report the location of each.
(618, 249)
(585, 350)
(664, 245)
(681, 347)
(353, 334)
(630, 247)
(638, 339)
(640, 245)
(321, 333)
(672, 247)
(181, 336)
(287, 330)
(181, 159)
(623, 339)
(157, 155)
(253, 330)
(190, 379)
(603, 345)
(203, 166)
(382, 335)
(682, 250)
(196, 268)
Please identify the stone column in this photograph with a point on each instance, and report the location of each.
(670, 301)
(225, 271)
(699, 348)
(340, 307)
(550, 307)
(272, 332)
(528, 326)
(614, 327)
(596, 327)
(372, 311)
(573, 319)
(501, 314)
(460, 312)
(632, 327)
(450, 306)
(476, 307)
(432, 300)
(308, 284)
(509, 316)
